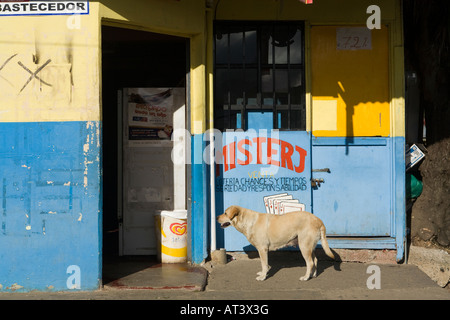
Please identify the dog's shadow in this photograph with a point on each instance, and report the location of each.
(292, 258)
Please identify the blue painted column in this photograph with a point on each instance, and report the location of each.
(199, 209)
(399, 202)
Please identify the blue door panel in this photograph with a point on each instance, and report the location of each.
(354, 199)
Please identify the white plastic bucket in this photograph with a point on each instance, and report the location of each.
(171, 233)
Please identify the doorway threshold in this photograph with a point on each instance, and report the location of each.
(146, 273)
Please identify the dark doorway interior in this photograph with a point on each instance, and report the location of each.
(130, 58)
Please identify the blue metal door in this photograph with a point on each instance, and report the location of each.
(354, 199)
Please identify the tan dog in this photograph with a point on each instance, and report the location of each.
(271, 232)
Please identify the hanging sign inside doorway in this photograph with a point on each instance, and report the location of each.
(31, 8)
(150, 113)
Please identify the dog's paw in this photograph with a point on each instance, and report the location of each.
(261, 277)
(304, 278)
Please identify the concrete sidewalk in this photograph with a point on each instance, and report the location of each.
(236, 281)
(335, 281)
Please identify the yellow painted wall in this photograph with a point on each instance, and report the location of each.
(69, 50)
(66, 48)
(350, 87)
(339, 104)
(179, 18)
(73, 48)
(321, 11)
(186, 18)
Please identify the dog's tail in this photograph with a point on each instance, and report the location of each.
(324, 242)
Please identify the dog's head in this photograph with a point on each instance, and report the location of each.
(228, 217)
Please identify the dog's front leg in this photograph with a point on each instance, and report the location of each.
(263, 255)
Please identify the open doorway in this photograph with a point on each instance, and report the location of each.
(132, 59)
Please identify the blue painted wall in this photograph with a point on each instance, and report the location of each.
(50, 234)
(246, 184)
(362, 198)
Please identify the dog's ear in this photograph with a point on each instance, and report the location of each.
(232, 212)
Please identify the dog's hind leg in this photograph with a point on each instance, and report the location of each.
(264, 256)
(307, 254)
(315, 264)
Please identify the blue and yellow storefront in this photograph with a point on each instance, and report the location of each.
(306, 99)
